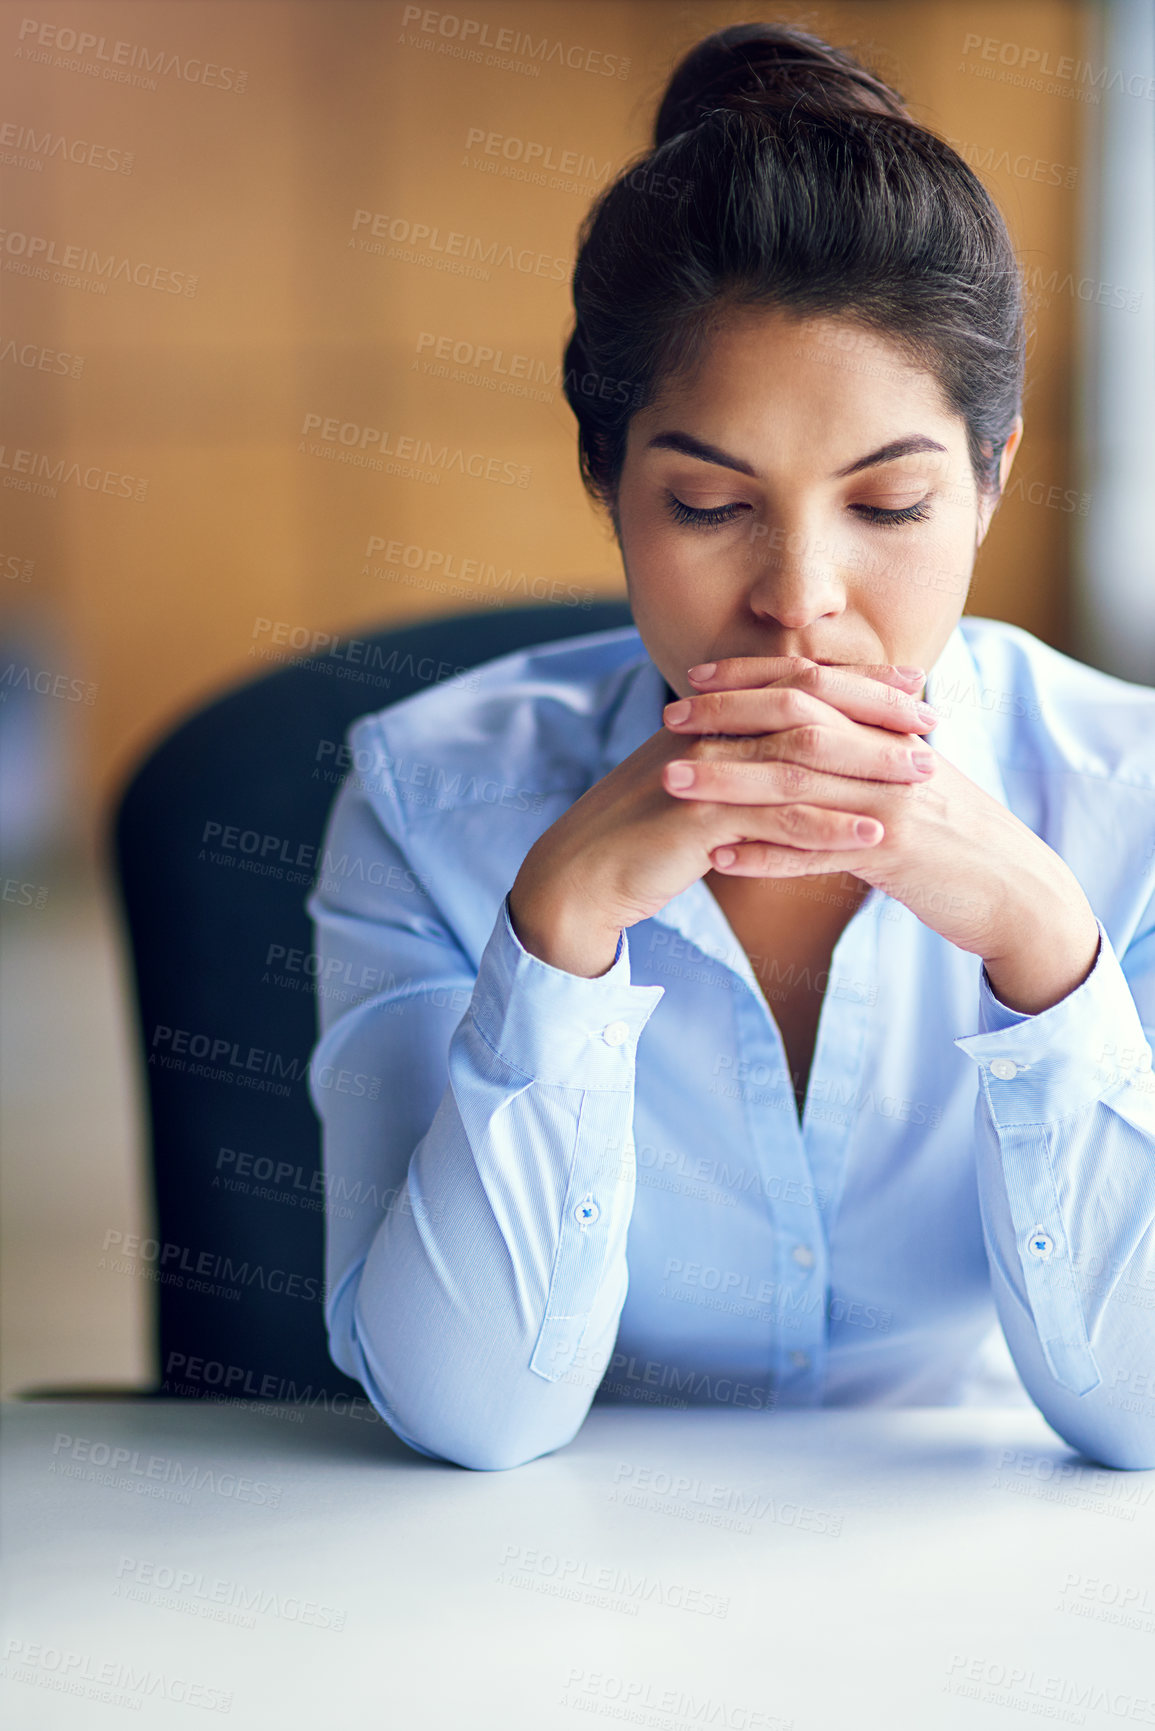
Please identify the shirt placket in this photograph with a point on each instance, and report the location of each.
(803, 1166)
(832, 1111)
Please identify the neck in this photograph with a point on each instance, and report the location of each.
(823, 896)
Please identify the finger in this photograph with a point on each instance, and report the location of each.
(739, 670)
(795, 825)
(761, 709)
(847, 688)
(857, 753)
(766, 786)
(760, 859)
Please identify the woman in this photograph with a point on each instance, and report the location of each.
(767, 1038)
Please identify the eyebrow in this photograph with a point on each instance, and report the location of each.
(691, 447)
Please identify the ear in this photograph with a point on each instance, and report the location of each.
(989, 501)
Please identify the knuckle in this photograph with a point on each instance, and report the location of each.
(787, 666)
(794, 778)
(809, 738)
(797, 705)
(889, 815)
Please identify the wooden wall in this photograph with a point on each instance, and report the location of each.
(238, 405)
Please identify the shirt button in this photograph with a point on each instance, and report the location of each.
(616, 1033)
(803, 1255)
(800, 1360)
(1005, 1069)
(586, 1212)
(1040, 1244)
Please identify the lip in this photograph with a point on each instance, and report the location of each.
(819, 660)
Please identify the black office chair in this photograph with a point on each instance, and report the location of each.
(216, 839)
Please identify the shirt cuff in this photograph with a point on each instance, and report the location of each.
(1036, 1069)
(561, 1029)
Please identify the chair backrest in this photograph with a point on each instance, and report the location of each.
(217, 837)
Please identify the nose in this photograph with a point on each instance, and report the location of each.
(793, 577)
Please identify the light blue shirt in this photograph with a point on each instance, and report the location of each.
(544, 1189)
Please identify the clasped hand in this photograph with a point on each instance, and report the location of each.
(793, 756)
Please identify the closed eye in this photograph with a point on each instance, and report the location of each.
(715, 516)
(879, 514)
(702, 519)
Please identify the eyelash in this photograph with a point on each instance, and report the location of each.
(712, 519)
(720, 514)
(912, 514)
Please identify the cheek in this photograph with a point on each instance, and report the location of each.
(640, 529)
(665, 575)
(921, 574)
(941, 572)
(654, 554)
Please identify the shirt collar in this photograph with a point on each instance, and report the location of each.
(638, 713)
(964, 736)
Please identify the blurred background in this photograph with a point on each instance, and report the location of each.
(283, 296)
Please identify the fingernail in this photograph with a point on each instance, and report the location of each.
(725, 856)
(923, 761)
(680, 774)
(677, 711)
(867, 830)
(707, 670)
(929, 715)
(911, 672)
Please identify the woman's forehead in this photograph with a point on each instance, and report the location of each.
(755, 393)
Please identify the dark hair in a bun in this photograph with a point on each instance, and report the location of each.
(766, 65)
(785, 174)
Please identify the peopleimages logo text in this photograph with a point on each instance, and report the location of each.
(87, 46)
(471, 34)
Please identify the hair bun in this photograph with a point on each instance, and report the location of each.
(767, 68)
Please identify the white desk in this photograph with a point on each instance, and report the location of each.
(833, 1570)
